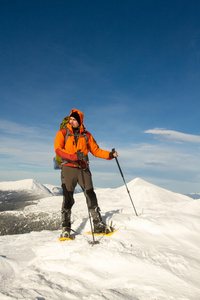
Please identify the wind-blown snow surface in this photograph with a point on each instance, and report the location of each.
(153, 256)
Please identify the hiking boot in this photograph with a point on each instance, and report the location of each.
(66, 223)
(66, 232)
(99, 225)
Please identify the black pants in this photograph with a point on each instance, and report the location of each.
(70, 176)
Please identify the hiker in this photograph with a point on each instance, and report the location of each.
(72, 145)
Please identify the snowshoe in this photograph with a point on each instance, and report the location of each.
(105, 234)
(70, 238)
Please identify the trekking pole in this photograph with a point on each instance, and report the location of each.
(113, 150)
(84, 191)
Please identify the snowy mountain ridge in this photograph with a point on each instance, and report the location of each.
(34, 186)
(25, 184)
(31, 185)
(160, 194)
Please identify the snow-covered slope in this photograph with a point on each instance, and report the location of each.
(154, 256)
(14, 196)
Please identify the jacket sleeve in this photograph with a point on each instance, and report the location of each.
(59, 146)
(96, 151)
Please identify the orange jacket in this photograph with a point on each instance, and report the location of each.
(69, 149)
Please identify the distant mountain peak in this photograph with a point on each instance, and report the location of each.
(146, 192)
(24, 184)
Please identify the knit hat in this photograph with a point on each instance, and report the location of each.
(75, 115)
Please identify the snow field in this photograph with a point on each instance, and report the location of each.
(154, 256)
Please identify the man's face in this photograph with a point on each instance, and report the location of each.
(73, 122)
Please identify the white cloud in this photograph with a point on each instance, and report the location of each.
(174, 136)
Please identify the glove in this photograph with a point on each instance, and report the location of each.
(113, 152)
(111, 155)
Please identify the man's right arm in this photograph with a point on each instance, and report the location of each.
(59, 146)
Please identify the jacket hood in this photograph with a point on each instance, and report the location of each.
(81, 115)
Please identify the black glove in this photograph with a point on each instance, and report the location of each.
(111, 153)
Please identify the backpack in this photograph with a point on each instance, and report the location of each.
(57, 159)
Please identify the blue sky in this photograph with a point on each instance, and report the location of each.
(132, 68)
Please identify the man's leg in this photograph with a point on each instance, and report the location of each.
(69, 181)
(91, 196)
(92, 202)
(67, 204)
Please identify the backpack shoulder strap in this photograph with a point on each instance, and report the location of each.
(67, 133)
(86, 136)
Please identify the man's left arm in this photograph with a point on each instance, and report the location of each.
(98, 152)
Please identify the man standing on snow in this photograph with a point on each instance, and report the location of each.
(72, 145)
